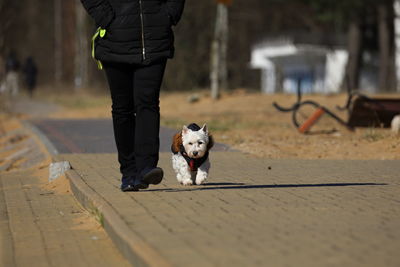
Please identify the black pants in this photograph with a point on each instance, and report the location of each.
(135, 91)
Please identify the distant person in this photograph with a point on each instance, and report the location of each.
(133, 43)
(2, 67)
(30, 72)
(12, 79)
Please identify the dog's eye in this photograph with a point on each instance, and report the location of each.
(190, 143)
(200, 143)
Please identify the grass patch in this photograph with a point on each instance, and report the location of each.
(220, 123)
(224, 123)
(73, 100)
(372, 135)
(173, 123)
(80, 102)
(98, 216)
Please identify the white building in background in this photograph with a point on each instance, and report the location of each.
(285, 66)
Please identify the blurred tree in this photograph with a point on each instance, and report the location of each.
(219, 46)
(72, 44)
(81, 47)
(355, 47)
(190, 67)
(69, 36)
(345, 16)
(58, 38)
(54, 33)
(355, 50)
(387, 51)
(8, 8)
(363, 18)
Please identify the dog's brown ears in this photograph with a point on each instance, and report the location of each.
(210, 142)
(176, 143)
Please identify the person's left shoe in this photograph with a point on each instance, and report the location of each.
(128, 184)
(153, 176)
(150, 176)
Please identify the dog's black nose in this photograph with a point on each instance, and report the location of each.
(195, 153)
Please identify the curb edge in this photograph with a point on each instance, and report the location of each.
(133, 248)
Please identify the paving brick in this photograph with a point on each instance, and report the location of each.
(40, 228)
(261, 212)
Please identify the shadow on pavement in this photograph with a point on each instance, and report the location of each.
(223, 186)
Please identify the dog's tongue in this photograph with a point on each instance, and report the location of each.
(191, 164)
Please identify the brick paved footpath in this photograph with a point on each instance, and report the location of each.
(41, 228)
(252, 212)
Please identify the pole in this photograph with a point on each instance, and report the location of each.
(81, 48)
(57, 41)
(219, 48)
(397, 41)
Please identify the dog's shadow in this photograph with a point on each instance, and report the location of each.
(223, 184)
(242, 186)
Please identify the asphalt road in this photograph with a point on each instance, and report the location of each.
(92, 135)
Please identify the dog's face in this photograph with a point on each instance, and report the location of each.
(195, 142)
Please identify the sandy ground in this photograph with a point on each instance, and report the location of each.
(14, 139)
(249, 123)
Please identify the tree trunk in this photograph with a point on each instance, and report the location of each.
(58, 72)
(69, 41)
(387, 69)
(81, 48)
(219, 73)
(397, 42)
(214, 70)
(352, 77)
(2, 28)
(224, 48)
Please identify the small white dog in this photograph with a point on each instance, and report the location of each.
(190, 154)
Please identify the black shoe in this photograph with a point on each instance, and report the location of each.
(153, 176)
(140, 184)
(150, 176)
(128, 184)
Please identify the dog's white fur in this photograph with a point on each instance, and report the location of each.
(196, 144)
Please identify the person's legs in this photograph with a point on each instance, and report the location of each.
(120, 80)
(147, 83)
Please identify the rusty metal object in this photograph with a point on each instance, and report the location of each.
(363, 111)
(366, 111)
(305, 127)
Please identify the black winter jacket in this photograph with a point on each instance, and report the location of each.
(137, 31)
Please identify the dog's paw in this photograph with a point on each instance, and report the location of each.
(200, 179)
(187, 182)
